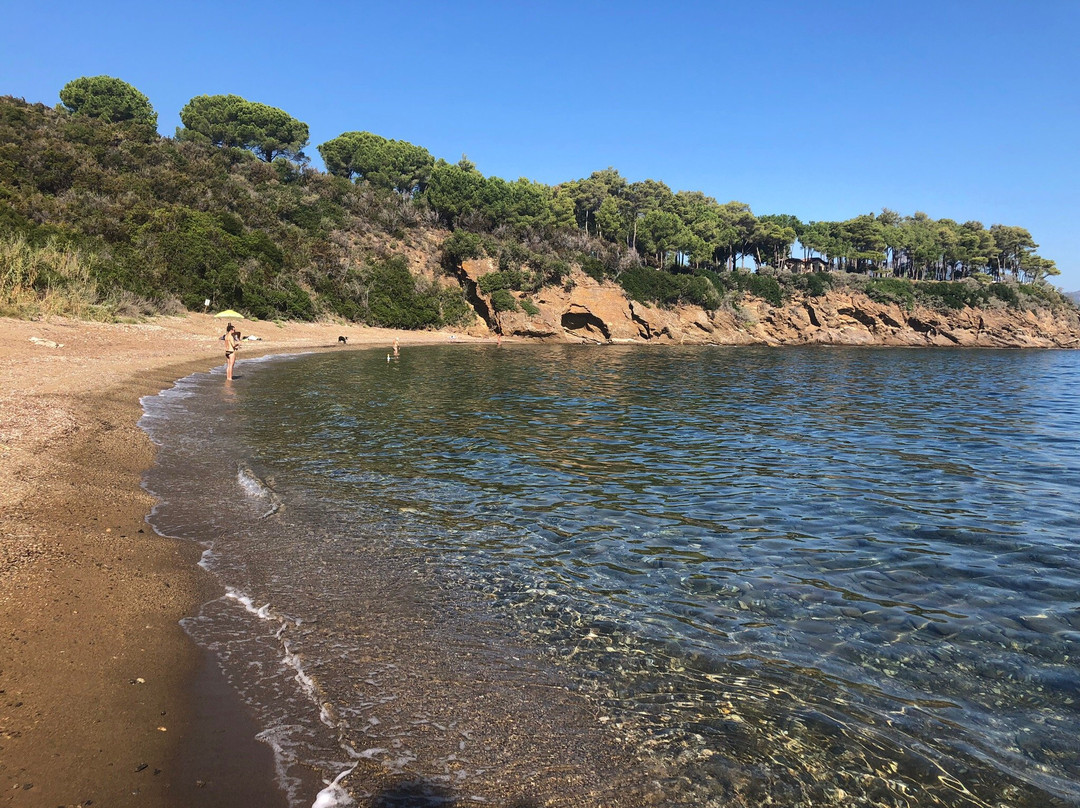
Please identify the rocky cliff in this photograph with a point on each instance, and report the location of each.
(589, 311)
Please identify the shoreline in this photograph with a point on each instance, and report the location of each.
(103, 696)
(104, 699)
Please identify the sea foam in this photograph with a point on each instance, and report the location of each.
(257, 488)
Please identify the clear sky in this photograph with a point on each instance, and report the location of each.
(826, 110)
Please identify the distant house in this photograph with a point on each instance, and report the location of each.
(814, 264)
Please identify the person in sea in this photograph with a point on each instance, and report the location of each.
(232, 345)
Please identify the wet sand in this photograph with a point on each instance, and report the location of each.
(104, 700)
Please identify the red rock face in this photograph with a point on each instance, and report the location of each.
(600, 312)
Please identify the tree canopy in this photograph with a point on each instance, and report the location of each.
(392, 164)
(110, 99)
(180, 220)
(229, 120)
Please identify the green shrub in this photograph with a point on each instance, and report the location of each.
(346, 308)
(553, 271)
(454, 310)
(1043, 293)
(460, 246)
(952, 294)
(723, 282)
(648, 285)
(699, 291)
(266, 302)
(512, 257)
(768, 289)
(815, 284)
(530, 308)
(891, 290)
(763, 286)
(502, 300)
(393, 300)
(494, 281)
(593, 268)
(1006, 292)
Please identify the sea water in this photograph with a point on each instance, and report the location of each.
(583, 575)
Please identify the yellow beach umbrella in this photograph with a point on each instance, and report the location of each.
(230, 313)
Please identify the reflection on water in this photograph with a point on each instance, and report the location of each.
(764, 576)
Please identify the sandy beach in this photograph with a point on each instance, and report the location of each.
(104, 700)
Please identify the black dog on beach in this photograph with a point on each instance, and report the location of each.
(343, 340)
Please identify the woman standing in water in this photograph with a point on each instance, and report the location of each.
(232, 345)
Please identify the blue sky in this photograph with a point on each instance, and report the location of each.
(825, 110)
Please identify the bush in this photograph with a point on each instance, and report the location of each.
(494, 281)
(722, 282)
(454, 310)
(512, 257)
(502, 300)
(1006, 292)
(393, 301)
(952, 294)
(891, 290)
(593, 268)
(530, 308)
(553, 271)
(460, 246)
(699, 291)
(1043, 293)
(815, 284)
(763, 286)
(265, 303)
(647, 285)
(768, 289)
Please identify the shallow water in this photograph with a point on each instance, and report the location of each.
(628, 575)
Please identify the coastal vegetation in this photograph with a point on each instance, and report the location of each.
(101, 216)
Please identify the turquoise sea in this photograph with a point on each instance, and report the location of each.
(581, 575)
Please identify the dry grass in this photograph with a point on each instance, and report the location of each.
(47, 280)
(53, 280)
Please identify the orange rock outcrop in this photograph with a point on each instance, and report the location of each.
(589, 311)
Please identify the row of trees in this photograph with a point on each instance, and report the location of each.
(687, 228)
(693, 229)
(221, 120)
(199, 216)
(920, 247)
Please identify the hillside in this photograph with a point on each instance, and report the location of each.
(111, 221)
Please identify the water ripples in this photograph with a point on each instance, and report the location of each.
(783, 575)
